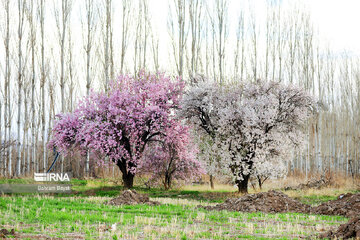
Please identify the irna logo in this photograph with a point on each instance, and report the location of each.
(49, 177)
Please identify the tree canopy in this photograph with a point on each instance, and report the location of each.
(121, 123)
(252, 127)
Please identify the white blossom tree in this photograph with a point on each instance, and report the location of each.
(254, 127)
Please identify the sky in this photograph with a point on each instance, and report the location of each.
(338, 23)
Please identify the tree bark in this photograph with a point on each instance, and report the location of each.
(168, 181)
(211, 181)
(243, 184)
(42, 87)
(20, 84)
(127, 176)
(260, 183)
(128, 179)
(31, 154)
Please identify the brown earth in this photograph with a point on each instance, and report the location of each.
(267, 202)
(351, 229)
(4, 233)
(347, 205)
(323, 181)
(131, 197)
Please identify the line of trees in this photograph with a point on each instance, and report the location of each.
(53, 52)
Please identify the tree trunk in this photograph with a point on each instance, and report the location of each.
(260, 183)
(20, 83)
(167, 183)
(211, 181)
(42, 87)
(243, 184)
(127, 177)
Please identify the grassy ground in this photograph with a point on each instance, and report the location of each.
(83, 215)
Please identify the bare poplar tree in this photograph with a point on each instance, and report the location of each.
(280, 40)
(292, 42)
(272, 31)
(62, 22)
(213, 40)
(7, 87)
(318, 149)
(268, 41)
(32, 42)
(71, 73)
(25, 129)
(196, 17)
(126, 10)
(221, 10)
(207, 48)
(141, 36)
(217, 15)
(138, 43)
(21, 15)
(306, 52)
(103, 51)
(145, 34)
(176, 26)
(111, 41)
(254, 45)
(107, 41)
(89, 41)
(51, 110)
(240, 49)
(41, 13)
(155, 51)
(7, 113)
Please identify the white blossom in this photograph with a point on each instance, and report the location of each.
(247, 130)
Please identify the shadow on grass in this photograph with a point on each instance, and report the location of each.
(112, 191)
(109, 188)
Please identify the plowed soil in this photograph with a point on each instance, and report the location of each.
(348, 230)
(267, 202)
(312, 183)
(131, 197)
(347, 205)
(5, 233)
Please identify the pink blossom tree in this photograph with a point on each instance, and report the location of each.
(173, 158)
(254, 127)
(122, 122)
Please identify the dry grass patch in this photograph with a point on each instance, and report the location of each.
(179, 201)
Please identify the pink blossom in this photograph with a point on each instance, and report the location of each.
(121, 123)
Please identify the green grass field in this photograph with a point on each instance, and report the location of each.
(83, 215)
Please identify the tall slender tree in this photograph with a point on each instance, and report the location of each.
(88, 43)
(7, 113)
(125, 26)
(20, 80)
(41, 13)
(176, 26)
(62, 20)
(32, 42)
(196, 19)
(7, 87)
(107, 40)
